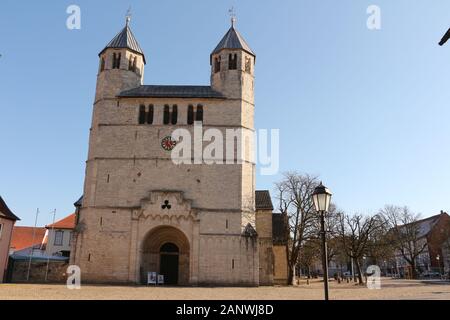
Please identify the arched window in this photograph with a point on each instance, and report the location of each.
(141, 114)
(166, 119)
(130, 63)
(116, 60)
(217, 64)
(174, 114)
(248, 64)
(150, 114)
(190, 116)
(199, 113)
(232, 61)
(119, 56)
(134, 64)
(102, 64)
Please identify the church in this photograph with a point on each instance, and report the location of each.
(196, 224)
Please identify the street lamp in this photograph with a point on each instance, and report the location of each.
(438, 258)
(321, 198)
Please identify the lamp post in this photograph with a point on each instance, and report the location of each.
(438, 258)
(321, 198)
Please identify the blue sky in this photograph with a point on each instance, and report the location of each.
(366, 110)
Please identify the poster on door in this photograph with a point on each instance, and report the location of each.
(151, 278)
(160, 279)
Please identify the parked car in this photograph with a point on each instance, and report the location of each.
(430, 274)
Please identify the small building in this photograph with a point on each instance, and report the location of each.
(58, 237)
(7, 221)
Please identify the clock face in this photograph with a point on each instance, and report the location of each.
(167, 143)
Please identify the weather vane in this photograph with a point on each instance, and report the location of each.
(128, 16)
(232, 13)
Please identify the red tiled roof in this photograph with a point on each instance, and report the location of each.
(66, 223)
(22, 237)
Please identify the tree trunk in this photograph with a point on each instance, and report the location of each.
(358, 268)
(413, 269)
(290, 275)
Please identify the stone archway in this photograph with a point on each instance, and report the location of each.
(165, 250)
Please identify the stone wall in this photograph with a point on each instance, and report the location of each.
(19, 270)
(280, 272)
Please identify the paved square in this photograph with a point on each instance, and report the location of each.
(391, 289)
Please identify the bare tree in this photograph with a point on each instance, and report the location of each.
(294, 200)
(404, 233)
(356, 233)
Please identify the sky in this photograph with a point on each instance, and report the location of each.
(366, 110)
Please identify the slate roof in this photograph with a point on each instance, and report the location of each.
(233, 40)
(79, 202)
(162, 91)
(426, 225)
(65, 223)
(5, 212)
(125, 39)
(263, 200)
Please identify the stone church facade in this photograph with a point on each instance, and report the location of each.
(198, 224)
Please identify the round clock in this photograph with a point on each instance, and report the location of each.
(167, 143)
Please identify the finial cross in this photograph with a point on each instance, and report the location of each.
(128, 16)
(232, 13)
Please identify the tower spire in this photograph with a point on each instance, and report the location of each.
(232, 13)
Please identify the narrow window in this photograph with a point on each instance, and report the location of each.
(89, 257)
(174, 114)
(107, 179)
(114, 60)
(102, 64)
(59, 238)
(141, 114)
(232, 61)
(119, 56)
(101, 221)
(199, 113)
(248, 64)
(217, 64)
(190, 117)
(150, 114)
(166, 119)
(130, 63)
(134, 64)
(232, 263)
(226, 224)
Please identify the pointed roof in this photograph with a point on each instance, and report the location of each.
(125, 39)
(233, 40)
(5, 212)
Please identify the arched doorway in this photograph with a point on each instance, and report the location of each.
(168, 262)
(165, 250)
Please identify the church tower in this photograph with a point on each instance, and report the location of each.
(121, 65)
(141, 211)
(232, 67)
